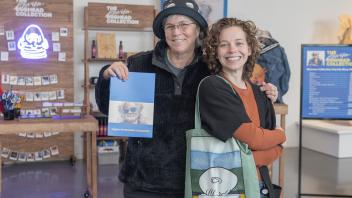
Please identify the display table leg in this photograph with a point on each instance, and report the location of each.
(89, 159)
(94, 165)
(0, 170)
(282, 160)
(282, 172)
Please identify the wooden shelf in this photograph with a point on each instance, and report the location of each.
(95, 22)
(111, 138)
(87, 123)
(105, 60)
(98, 114)
(118, 29)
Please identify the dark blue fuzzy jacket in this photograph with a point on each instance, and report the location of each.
(158, 164)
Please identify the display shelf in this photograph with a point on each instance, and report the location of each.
(105, 60)
(98, 114)
(87, 123)
(92, 28)
(96, 19)
(111, 138)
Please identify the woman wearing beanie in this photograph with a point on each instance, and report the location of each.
(156, 167)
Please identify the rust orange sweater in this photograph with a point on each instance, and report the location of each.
(264, 143)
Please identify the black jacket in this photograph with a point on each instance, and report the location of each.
(222, 111)
(158, 164)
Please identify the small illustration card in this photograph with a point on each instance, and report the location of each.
(30, 157)
(54, 150)
(22, 156)
(13, 155)
(37, 80)
(131, 106)
(29, 80)
(4, 56)
(63, 31)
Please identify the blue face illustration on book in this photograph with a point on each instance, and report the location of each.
(131, 112)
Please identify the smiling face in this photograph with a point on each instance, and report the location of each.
(180, 34)
(315, 55)
(130, 112)
(233, 50)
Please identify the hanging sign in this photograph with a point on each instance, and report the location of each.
(120, 15)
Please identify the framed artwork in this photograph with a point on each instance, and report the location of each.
(211, 10)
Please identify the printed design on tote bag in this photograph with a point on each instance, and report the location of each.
(215, 172)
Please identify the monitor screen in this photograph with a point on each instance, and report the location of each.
(326, 86)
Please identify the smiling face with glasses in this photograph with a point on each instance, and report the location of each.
(181, 34)
(130, 112)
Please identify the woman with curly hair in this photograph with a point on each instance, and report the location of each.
(230, 105)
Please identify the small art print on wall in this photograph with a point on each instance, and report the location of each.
(211, 10)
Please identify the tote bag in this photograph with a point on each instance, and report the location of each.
(218, 169)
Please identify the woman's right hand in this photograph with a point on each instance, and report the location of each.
(117, 69)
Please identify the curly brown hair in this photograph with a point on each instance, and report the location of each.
(211, 44)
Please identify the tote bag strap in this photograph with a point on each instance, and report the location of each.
(197, 122)
(188, 182)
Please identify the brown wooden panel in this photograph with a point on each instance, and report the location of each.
(63, 141)
(50, 16)
(120, 16)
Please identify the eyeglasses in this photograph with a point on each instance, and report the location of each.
(181, 26)
(130, 110)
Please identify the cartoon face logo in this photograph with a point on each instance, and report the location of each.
(131, 112)
(33, 44)
(217, 181)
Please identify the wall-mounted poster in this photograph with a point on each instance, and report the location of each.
(211, 10)
(131, 106)
(326, 82)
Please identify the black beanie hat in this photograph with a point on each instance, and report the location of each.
(187, 8)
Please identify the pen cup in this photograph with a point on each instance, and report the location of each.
(9, 114)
